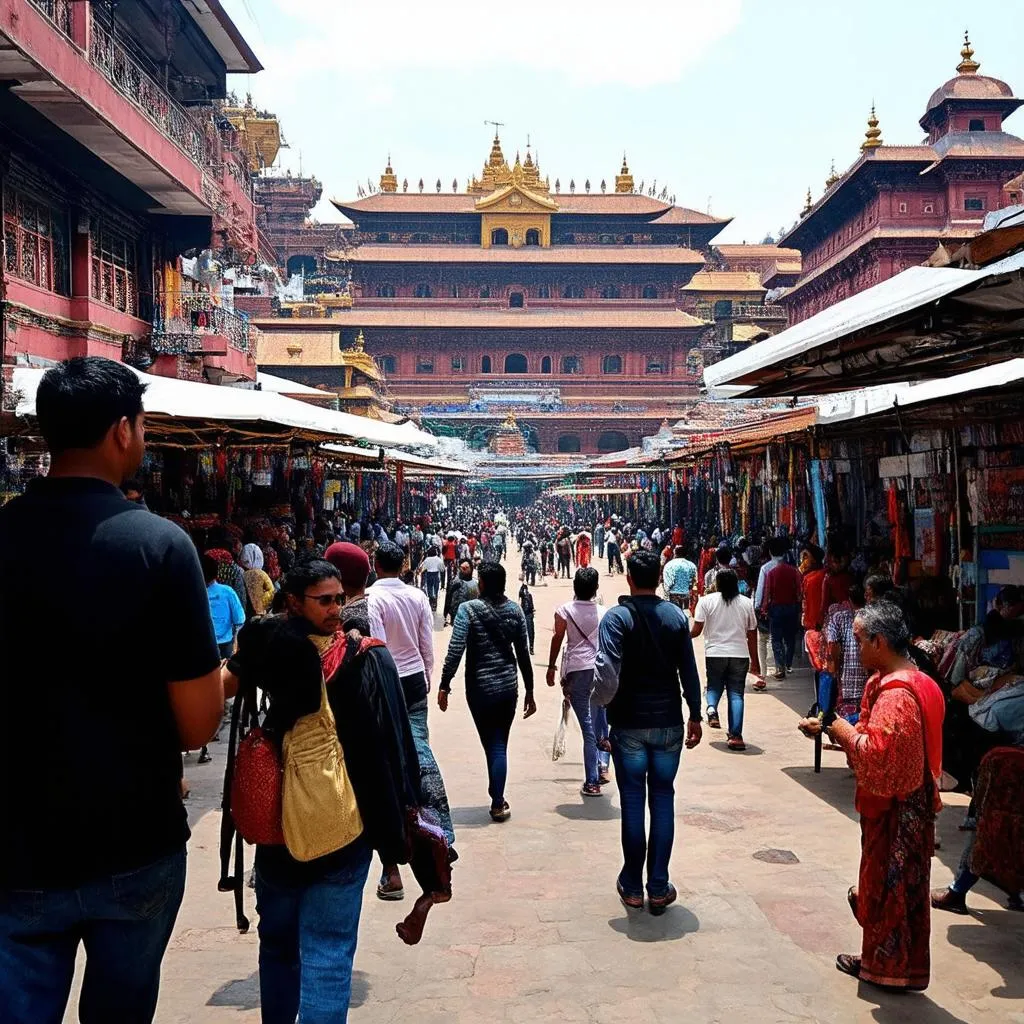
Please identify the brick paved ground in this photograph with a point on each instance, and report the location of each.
(535, 932)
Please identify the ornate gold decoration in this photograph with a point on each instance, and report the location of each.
(259, 133)
(808, 203)
(359, 345)
(832, 176)
(968, 65)
(388, 180)
(510, 423)
(873, 136)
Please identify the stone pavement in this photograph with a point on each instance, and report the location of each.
(535, 932)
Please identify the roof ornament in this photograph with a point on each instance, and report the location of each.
(388, 181)
(873, 136)
(968, 65)
(832, 176)
(572, 186)
(421, 184)
(359, 345)
(438, 186)
(558, 186)
(808, 203)
(405, 184)
(604, 185)
(455, 184)
(624, 180)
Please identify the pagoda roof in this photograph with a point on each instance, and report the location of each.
(613, 254)
(491, 319)
(733, 251)
(725, 281)
(595, 204)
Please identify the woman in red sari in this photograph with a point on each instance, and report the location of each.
(583, 550)
(895, 751)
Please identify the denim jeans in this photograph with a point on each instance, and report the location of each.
(729, 675)
(432, 585)
(124, 922)
(783, 623)
(577, 686)
(493, 724)
(308, 942)
(599, 716)
(646, 762)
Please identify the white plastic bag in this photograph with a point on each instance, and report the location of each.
(558, 746)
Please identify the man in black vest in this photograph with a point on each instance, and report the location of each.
(645, 658)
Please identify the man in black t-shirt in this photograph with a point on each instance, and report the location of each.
(111, 671)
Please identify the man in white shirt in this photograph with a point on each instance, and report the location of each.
(400, 615)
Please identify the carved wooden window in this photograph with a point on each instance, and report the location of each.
(570, 364)
(650, 292)
(927, 207)
(114, 279)
(485, 292)
(543, 292)
(569, 443)
(532, 236)
(499, 236)
(515, 300)
(35, 242)
(611, 364)
(457, 364)
(903, 207)
(485, 364)
(976, 203)
(572, 291)
(655, 366)
(545, 364)
(423, 290)
(976, 124)
(609, 291)
(388, 364)
(383, 236)
(612, 441)
(385, 291)
(424, 364)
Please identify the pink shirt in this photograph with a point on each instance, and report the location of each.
(581, 620)
(400, 615)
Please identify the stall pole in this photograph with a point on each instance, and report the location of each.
(959, 527)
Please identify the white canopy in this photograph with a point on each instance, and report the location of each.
(414, 462)
(283, 386)
(186, 399)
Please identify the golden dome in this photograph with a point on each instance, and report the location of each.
(873, 136)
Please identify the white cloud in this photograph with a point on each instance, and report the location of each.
(589, 42)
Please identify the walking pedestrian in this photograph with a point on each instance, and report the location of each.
(92, 853)
(491, 631)
(576, 623)
(778, 597)
(678, 579)
(463, 588)
(431, 570)
(645, 658)
(614, 555)
(564, 548)
(727, 621)
(529, 610)
(599, 534)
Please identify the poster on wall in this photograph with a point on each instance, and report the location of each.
(926, 541)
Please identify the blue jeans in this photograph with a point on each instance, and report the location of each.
(124, 922)
(730, 675)
(308, 942)
(783, 624)
(599, 716)
(577, 686)
(493, 724)
(432, 585)
(646, 762)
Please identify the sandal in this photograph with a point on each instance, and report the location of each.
(760, 684)
(390, 895)
(629, 902)
(589, 789)
(501, 813)
(736, 743)
(713, 720)
(604, 779)
(848, 964)
(657, 905)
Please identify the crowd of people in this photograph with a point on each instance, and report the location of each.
(324, 647)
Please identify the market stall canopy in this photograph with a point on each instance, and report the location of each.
(920, 324)
(172, 403)
(415, 465)
(283, 386)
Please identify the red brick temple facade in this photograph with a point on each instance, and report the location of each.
(558, 304)
(900, 206)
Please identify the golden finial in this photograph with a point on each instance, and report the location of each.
(359, 344)
(388, 180)
(624, 180)
(873, 136)
(968, 65)
(808, 203)
(832, 176)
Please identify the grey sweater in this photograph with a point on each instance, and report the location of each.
(493, 636)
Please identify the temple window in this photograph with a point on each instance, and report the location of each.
(35, 242)
(903, 207)
(612, 441)
(927, 207)
(976, 125)
(485, 292)
(532, 236)
(455, 291)
(655, 366)
(569, 443)
(543, 292)
(606, 239)
(569, 238)
(723, 308)
(457, 364)
(545, 364)
(383, 236)
(388, 364)
(424, 364)
(485, 364)
(694, 362)
(385, 291)
(974, 203)
(572, 291)
(515, 300)
(627, 239)
(423, 290)
(499, 236)
(113, 279)
(570, 364)
(650, 292)
(515, 362)
(609, 291)
(611, 364)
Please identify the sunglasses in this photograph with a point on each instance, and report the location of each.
(325, 600)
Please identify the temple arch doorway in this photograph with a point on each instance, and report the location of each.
(569, 444)
(304, 265)
(612, 441)
(515, 362)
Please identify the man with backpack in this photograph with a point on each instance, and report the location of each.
(644, 667)
(492, 629)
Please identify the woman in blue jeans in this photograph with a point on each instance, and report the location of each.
(728, 624)
(576, 623)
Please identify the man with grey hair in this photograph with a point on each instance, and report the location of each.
(895, 751)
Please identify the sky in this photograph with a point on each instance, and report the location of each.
(737, 106)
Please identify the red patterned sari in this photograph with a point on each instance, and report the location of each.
(895, 751)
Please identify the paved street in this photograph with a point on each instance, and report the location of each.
(765, 851)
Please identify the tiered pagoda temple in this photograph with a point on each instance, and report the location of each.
(898, 206)
(560, 303)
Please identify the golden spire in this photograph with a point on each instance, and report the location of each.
(388, 180)
(497, 158)
(624, 180)
(873, 136)
(968, 65)
(832, 176)
(808, 203)
(359, 345)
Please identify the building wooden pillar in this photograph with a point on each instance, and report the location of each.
(81, 25)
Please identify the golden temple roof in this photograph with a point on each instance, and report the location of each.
(259, 131)
(725, 281)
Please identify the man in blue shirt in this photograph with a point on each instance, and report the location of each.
(678, 578)
(225, 609)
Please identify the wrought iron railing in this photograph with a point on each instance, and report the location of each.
(740, 311)
(186, 317)
(139, 87)
(58, 11)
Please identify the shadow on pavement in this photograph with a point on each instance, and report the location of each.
(900, 1007)
(999, 943)
(833, 785)
(591, 809)
(751, 751)
(639, 926)
(240, 994)
(472, 817)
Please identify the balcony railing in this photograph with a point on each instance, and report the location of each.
(739, 311)
(137, 86)
(185, 318)
(58, 11)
